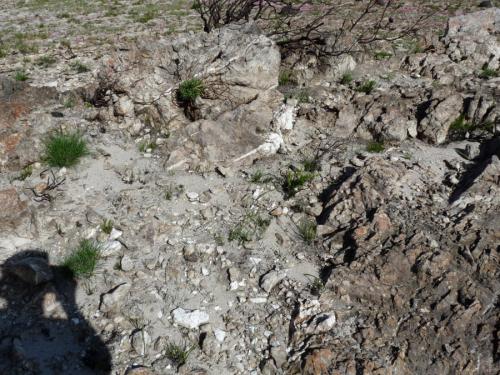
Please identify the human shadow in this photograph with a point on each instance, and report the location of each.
(42, 331)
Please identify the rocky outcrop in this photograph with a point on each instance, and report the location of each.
(234, 115)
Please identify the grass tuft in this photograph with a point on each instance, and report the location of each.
(307, 230)
(107, 226)
(367, 87)
(487, 73)
(382, 55)
(287, 77)
(21, 76)
(79, 67)
(64, 150)
(346, 78)
(295, 180)
(178, 354)
(189, 90)
(83, 261)
(375, 147)
(251, 227)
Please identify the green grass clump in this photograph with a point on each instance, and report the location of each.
(45, 61)
(258, 177)
(21, 76)
(382, 55)
(64, 150)
(107, 226)
(79, 67)
(287, 77)
(189, 90)
(375, 147)
(487, 73)
(307, 230)
(295, 180)
(461, 126)
(178, 354)
(367, 87)
(346, 78)
(83, 261)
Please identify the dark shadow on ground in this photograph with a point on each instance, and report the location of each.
(487, 150)
(41, 329)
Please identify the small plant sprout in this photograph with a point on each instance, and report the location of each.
(178, 354)
(21, 76)
(251, 227)
(64, 150)
(316, 285)
(107, 226)
(295, 180)
(367, 87)
(83, 260)
(189, 90)
(307, 230)
(25, 173)
(375, 147)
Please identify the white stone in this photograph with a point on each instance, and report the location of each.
(192, 196)
(191, 319)
(115, 234)
(220, 335)
(271, 279)
(111, 248)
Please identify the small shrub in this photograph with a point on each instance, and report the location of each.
(307, 230)
(64, 150)
(487, 73)
(107, 226)
(189, 90)
(346, 78)
(83, 261)
(3, 52)
(367, 87)
(79, 67)
(375, 147)
(294, 180)
(382, 55)
(240, 233)
(21, 76)
(178, 354)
